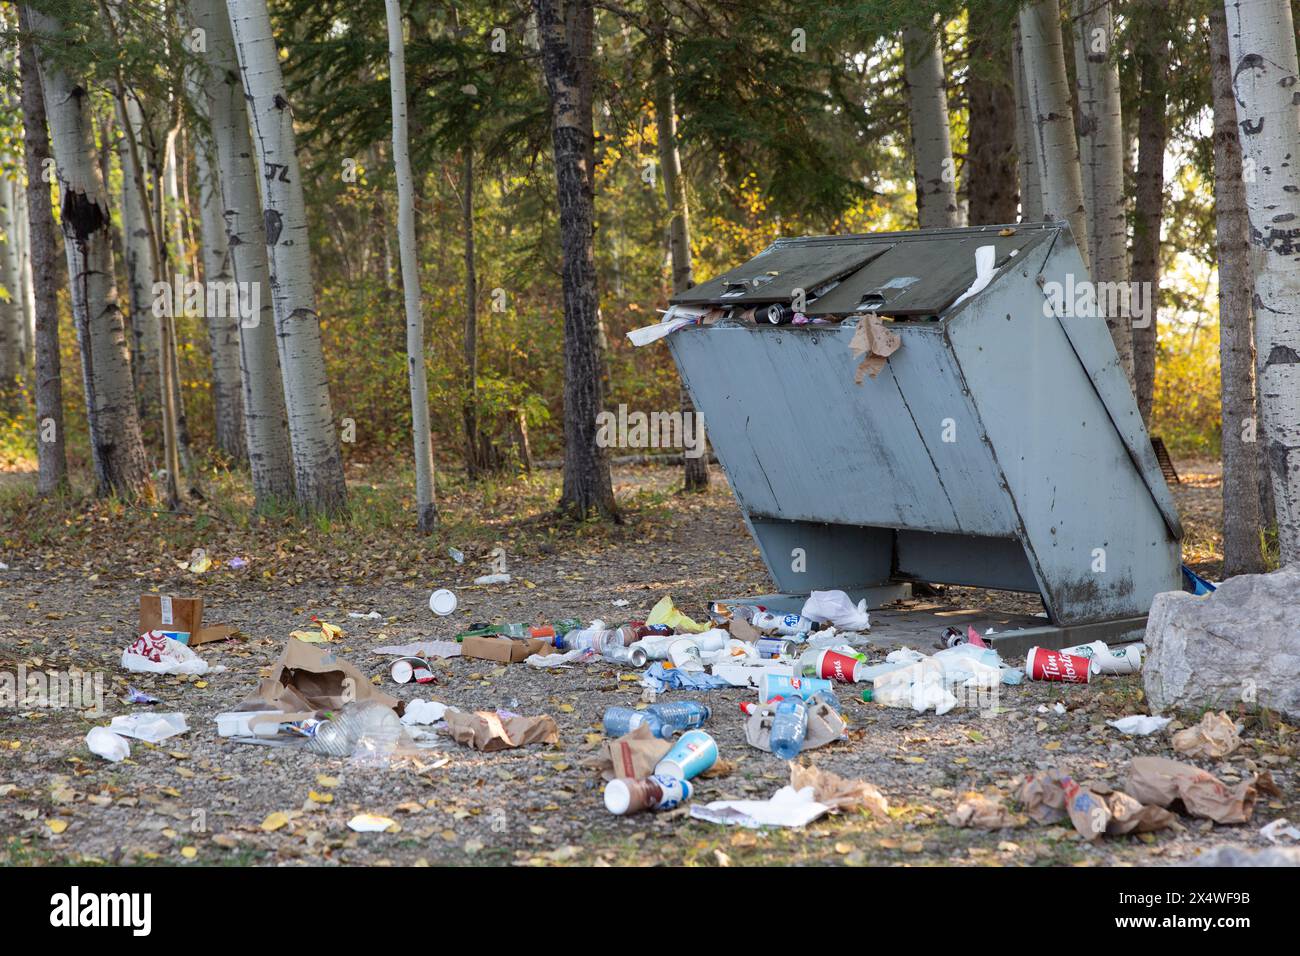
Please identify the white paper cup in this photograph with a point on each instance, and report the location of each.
(402, 671)
(442, 602)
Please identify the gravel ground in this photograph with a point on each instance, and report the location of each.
(199, 799)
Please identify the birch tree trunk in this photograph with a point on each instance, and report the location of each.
(1262, 47)
(25, 274)
(696, 469)
(991, 174)
(563, 27)
(1047, 89)
(932, 162)
(1242, 519)
(137, 248)
(1101, 157)
(12, 351)
(318, 465)
(426, 511)
(474, 458)
(1031, 187)
(51, 460)
(223, 323)
(116, 445)
(1149, 196)
(265, 427)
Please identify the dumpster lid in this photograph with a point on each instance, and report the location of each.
(783, 267)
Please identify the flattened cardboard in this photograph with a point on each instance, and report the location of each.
(503, 649)
(179, 618)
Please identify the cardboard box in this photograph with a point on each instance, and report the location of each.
(179, 618)
(505, 650)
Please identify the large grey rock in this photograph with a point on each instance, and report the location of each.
(1228, 855)
(1240, 643)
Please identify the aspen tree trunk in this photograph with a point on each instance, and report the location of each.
(1262, 47)
(1148, 200)
(116, 445)
(222, 320)
(426, 511)
(1031, 188)
(473, 450)
(51, 460)
(12, 351)
(146, 332)
(1243, 524)
(318, 464)
(1101, 158)
(1052, 120)
(25, 274)
(265, 426)
(932, 162)
(696, 470)
(564, 29)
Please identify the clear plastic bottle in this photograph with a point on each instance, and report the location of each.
(789, 728)
(594, 639)
(366, 729)
(829, 699)
(681, 714)
(623, 720)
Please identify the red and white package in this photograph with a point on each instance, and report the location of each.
(1042, 664)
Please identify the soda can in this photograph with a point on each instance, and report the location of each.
(773, 647)
(634, 656)
(1044, 664)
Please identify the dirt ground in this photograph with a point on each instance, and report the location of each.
(69, 600)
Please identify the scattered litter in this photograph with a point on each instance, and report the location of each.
(420, 649)
(1160, 781)
(1197, 584)
(693, 754)
(1042, 663)
(837, 792)
(621, 602)
(982, 813)
(237, 563)
(327, 633)
(371, 616)
(198, 563)
(179, 618)
(104, 743)
(136, 696)
(824, 726)
(443, 602)
(635, 754)
(156, 653)
(1140, 725)
(562, 659)
(1108, 660)
(457, 555)
(677, 317)
(407, 669)
(1215, 736)
(371, 823)
(423, 712)
(150, 727)
(659, 678)
(787, 807)
(1280, 831)
(311, 677)
(837, 608)
(493, 579)
(985, 268)
(625, 795)
(666, 613)
(487, 731)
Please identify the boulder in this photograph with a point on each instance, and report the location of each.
(1240, 643)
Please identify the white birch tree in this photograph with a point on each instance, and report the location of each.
(932, 162)
(1262, 47)
(318, 465)
(426, 510)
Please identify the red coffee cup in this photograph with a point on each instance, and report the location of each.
(1042, 664)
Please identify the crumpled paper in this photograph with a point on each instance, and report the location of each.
(1140, 725)
(875, 344)
(1161, 781)
(824, 726)
(787, 807)
(635, 754)
(837, 792)
(1044, 800)
(1215, 736)
(488, 731)
(983, 813)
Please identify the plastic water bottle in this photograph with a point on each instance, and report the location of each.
(829, 699)
(789, 728)
(681, 714)
(623, 720)
(594, 639)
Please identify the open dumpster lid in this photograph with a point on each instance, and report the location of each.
(895, 274)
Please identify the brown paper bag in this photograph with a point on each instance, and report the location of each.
(1161, 781)
(635, 754)
(487, 731)
(313, 677)
(875, 344)
(981, 813)
(837, 792)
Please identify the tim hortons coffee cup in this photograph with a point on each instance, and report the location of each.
(1042, 664)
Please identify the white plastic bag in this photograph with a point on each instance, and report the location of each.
(104, 743)
(836, 607)
(156, 653)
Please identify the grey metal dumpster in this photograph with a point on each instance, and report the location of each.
(1000, 447)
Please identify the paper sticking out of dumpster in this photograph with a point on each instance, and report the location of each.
(875, 344)
(985, 266)
(677, 317)
(310, 677)
(179, 618)
(489, 732)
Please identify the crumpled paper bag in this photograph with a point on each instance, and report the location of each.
(490, 731)
(1161, 781)
(875, 344)
(1044, 800)
(835, 791)
(312, 677)
(1215, 736)
(1043, 797)
(983, 813)
(635, 754)
(824, 726)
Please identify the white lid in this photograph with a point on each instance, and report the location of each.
(617, 797)
(402, 671)
(442, 602)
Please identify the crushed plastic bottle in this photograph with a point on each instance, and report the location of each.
(365, 730)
